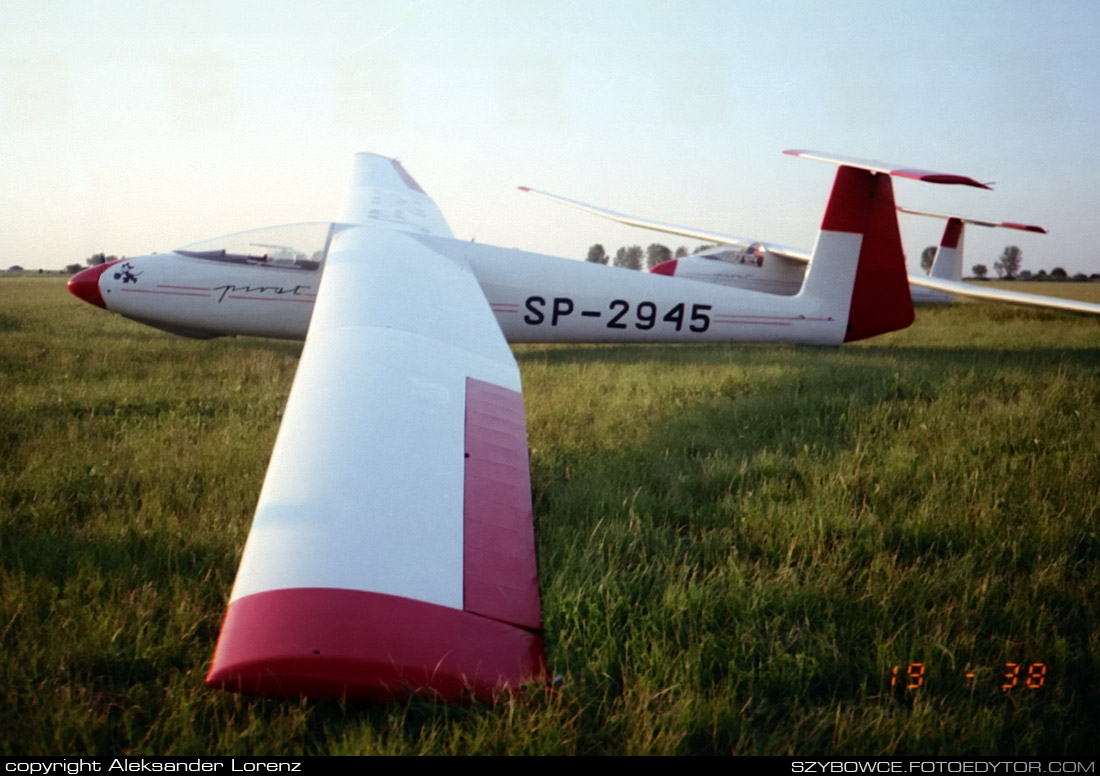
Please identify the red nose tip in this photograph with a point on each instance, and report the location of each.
(85, 285)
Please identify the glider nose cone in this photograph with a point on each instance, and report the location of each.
(85, 285)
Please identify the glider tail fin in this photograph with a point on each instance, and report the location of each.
(947, 265)
(858, 266)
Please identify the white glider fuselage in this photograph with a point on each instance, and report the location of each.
(535, 298)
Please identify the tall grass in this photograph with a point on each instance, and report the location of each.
(737, 543)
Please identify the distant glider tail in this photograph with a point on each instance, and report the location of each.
(858, 266)
(948, 262)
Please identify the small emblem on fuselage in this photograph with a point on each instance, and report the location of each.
(126, 273)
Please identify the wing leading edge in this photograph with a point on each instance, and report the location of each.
(974, 291)
(392, 549)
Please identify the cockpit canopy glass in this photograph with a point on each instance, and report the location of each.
(752, 254)
(290, 246)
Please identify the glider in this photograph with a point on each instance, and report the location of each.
(947, 264)
(740, 262)
(392, 550)
(945, 280)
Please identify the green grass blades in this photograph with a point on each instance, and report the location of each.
(889, 548)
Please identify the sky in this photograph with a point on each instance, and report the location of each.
(134, 127)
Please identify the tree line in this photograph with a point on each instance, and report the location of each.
(1007, 267)
(633, 257)
(92, 261)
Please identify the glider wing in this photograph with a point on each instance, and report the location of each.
(975, 291)
(392, 549)
(683, 231)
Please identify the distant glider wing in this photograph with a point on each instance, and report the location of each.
(392, 550)
(975, 291)
(683, 231)
(976, 221)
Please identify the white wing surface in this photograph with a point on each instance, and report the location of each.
(975, 291)
(393, 547)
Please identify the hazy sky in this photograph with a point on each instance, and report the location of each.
(132, 127)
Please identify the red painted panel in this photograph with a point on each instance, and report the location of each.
(951, 233)
(330, 643)
(1024, 227)
(500, 572)
(939, 177)
(846, 210)
(665, 268)
(880, 297)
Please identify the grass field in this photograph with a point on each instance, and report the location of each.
(737, 544)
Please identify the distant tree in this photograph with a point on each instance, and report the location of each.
(1079, 276)
(681, 252)
(95, 260)
(655, 254)
(1009, 263)
(40, 270)
(597, 255)
(704, 247)
(980, 271)
(927, 256)
(630, 258)
(1042, 275)
(1058, 273)
(1025, 274)
(72, 269)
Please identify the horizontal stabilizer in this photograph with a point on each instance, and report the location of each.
(928, 176)
(976, 221)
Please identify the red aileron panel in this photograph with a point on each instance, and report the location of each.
(499, 566)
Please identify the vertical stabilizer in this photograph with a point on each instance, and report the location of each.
(858, 267)
(947, 265)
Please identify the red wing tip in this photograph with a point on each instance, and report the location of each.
(1024, 227)
(356, 645)
(940, 177)
(523, 188)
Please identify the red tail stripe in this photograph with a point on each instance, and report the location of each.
(847, 208)
(951, 233)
